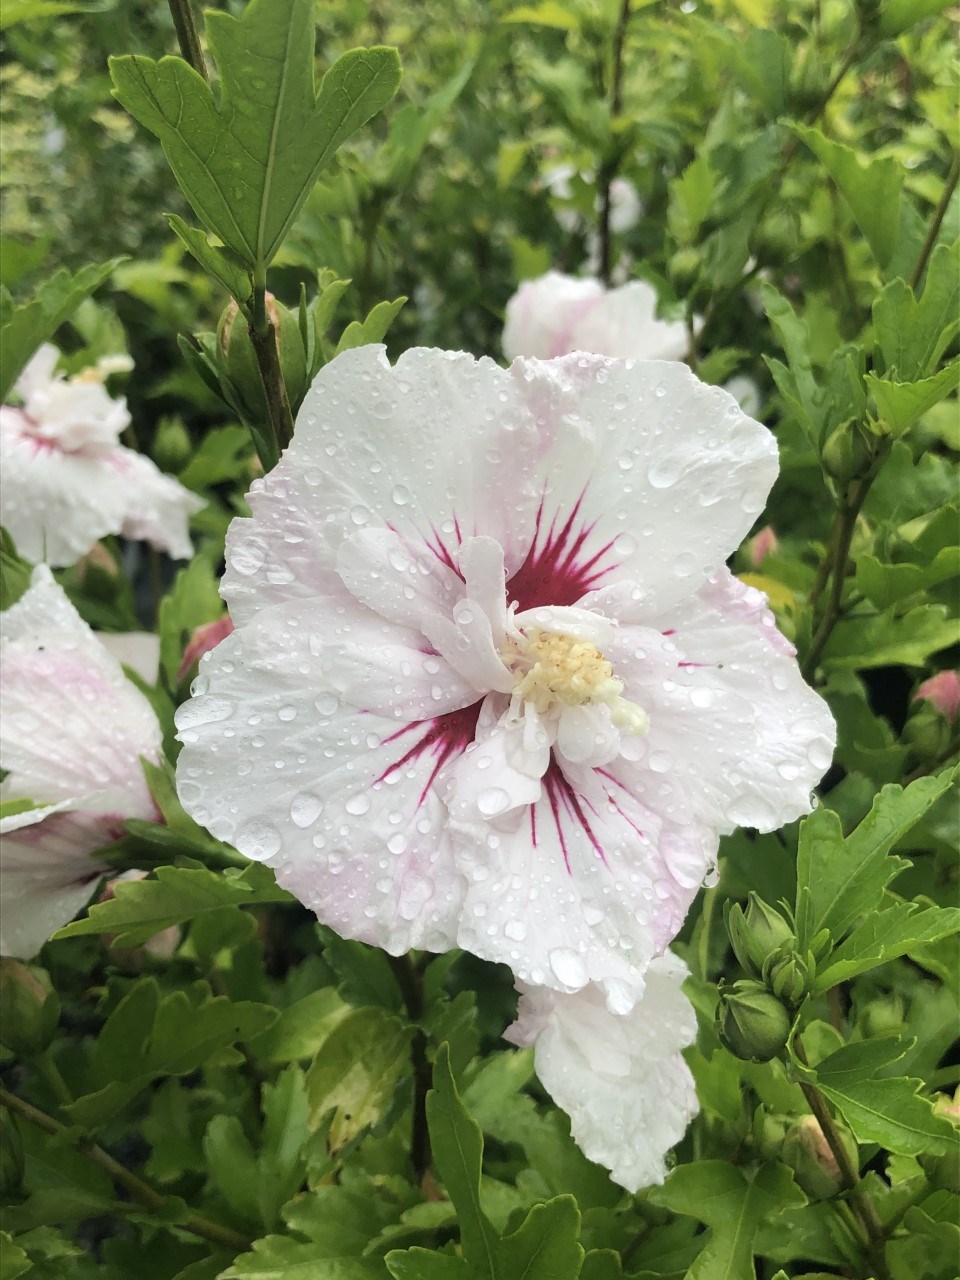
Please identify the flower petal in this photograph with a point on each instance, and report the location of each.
(542, 315)
(399, 579)
(158, 507)
(624, 323)
(419, 448)
(621, 1079)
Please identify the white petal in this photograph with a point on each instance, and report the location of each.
(649, 475)
(499, 774)
(587, 736)
(481, 563)
(47, 873)
(139, 650)
(588, 887)
(420, 448)
(731, 720)
(543, 314)
(38, 372)
(56, 505)
(466, 642)
(624, 323)
(399, 579)
(343, 803)
(582, 624)
(158, 507)
(621, 1079)
(72, 723)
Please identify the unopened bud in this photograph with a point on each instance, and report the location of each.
(172, 446)
(942, 692)
(206, 637)
(808, 1154)
(29, 1009)
(238, 360)
(789, 975)
(769, 1132)
(847, 453)
(765, 543)
(751, 1022)
(883, 1016)
(755, 934)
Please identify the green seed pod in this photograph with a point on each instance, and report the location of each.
(238, 362)
(757, 933)
(751, 1022)
(29, 1009)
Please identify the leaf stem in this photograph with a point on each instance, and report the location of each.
(608, 170)
(953, 177)
(860, 1202)
(410, 981)
(142, 1192)
(188, 37)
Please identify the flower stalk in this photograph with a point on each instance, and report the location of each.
(188, 37)
(410, 981)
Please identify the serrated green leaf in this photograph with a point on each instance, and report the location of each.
(885, 935)
(690, 198)
(545, 1246)
(900, 15)
(734, 1203)
(356, 1072)
(871, 186)
(902, 404)
(193, 600)
(421, 1264)
(13, 1261)
(24, 327)
(282, 1258)
(222, 264)
(175, 895)
(912, 335)
(457, 1144)
(366, 977)
(249, 157)
(301, 1028)
(360, 333)
(885, 584)
(887, 640)
(839, 880)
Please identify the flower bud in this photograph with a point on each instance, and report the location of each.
(29, 1009)
(172, 447)
(883, 1016)
(11, 1154)
(847, 453)
(789, 975)
(765, 543)
(206, 637)
(944, 1171)
(684, 268)
(751, 1022)
(814, 1165)
(942, 692)
(755, 934)
(238, 360)
(769, 1132)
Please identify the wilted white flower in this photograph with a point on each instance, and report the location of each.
(69, 482)
(72, 729)
(491, 684)
(620, 1078)
(558, 314)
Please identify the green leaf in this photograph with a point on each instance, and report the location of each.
(883, 936)
(734, 1203)
(361, 333)
(222, 264)
(909, 639)
(887, 1111)
(301, 1028)
(356, 1072)
(912, 335)
(839, 880)
(871, 187)
(690, 198)
(366, 977)
(193, 600)
(901, 404)
(248, 158)
(24, 327)
(900, 15)
(545, 1246)
(232, 1163)
(175, 895)
(421, 1264)
(222, 454)
(13, 1261)
(457, 1145)
(885, 584)
(283, 1258)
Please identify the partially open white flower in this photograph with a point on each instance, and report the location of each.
(491, 684)
(72, 729)
(621, 1079)
(557, 314)
(67, 479)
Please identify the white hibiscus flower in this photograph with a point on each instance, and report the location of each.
(72, 729)
(621, 1079)
(69, 482)
(558, 314)
(491, 684)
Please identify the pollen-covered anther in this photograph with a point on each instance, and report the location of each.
(554, 670)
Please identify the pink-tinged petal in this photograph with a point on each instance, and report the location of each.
(399, 579)
(56, 505)
(731, 720)
(942, 691)
(621, 1079)
(625, 324)
(72, 724)
(543, 314)
(342, 802)
(500, 773)
(466, 642)
(158, 507)
(649, 475)
(138, 650)
(420, 448)
(206, 637)
(47, 873)
(583, 889)
(765, 543)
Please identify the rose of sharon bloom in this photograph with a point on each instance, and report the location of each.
(69, 482)
(622, 1080)
(557, 314)
(71, 730)
(491, 685)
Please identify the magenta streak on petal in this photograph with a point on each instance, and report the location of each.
(440, 549)
(617, 783)
(556, 571)
(564, 802)
(442, 737)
